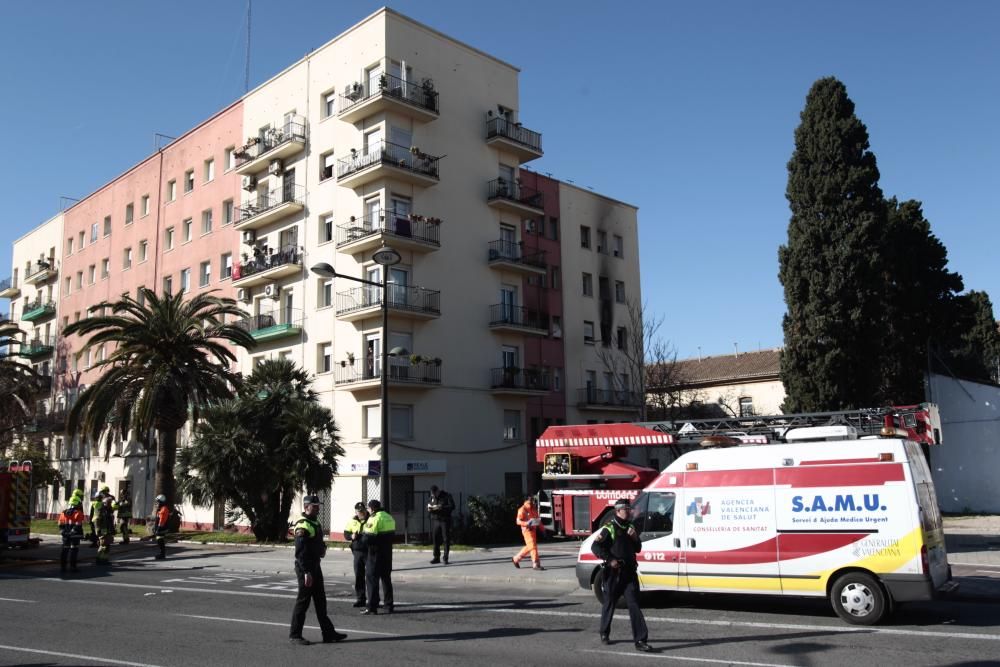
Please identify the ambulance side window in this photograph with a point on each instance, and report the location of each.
(638, 515)
(659, 520)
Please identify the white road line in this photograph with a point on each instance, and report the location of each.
(284, 625)
(989, 571)
(951, 562)
(16, 600)
(668, 656)
(77, 656)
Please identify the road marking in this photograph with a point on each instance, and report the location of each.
(989, 571)
(77, 656)
(284, 625)
(16, 600)
(666, 656)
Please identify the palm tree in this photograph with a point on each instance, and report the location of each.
(171, 359)
(18, 383)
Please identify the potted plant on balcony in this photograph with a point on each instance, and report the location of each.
(350, 358)
(428, 87)
(383, 81)
(416, 359)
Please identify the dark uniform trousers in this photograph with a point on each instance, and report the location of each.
(441, 528)
(360, 557)
(70, 550)
(379, 569)
(623, 581)
(315, 594)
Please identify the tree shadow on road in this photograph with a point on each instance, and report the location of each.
(472, 635)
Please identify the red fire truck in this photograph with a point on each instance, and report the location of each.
(585, 467)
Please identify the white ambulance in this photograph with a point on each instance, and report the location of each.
(855, 521)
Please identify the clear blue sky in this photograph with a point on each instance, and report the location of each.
(686, 110)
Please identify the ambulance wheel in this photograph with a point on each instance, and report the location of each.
(858, 599)
(595, 586)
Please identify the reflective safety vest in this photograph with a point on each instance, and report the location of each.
(311, 527)
(380, 522)
(352, 528)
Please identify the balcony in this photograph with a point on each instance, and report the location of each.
(272, 144)
(38, 310)
(389, 93)
(44, 383)
(401, 374)
(270, 207)
(516, 381)
(514, 197)
(9, 289)
(513, 138)
(277, 324)
(517, 319)
(48, 420)
(387, 160)
(267, 268)
(590, 398)
(510, 256)
(410, 302)
(413, 232)
(38, 347)
(40, 272)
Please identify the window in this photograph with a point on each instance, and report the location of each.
(372, 422)
(553, 230)
(94, 230)
(171, 190)
(145, 206)
(209, 170)
(401, 422)
(168, 285)
(69, 285)
(585, 237)
(91, 274)
(556, 326)
(511, 424)
(620, 291)
(140, 296)
(229, 157)
(557, 379)
(105, 267)
(168, 238)
(204, 274)
(588, 284)
(129, 213)
(186, 230)
(602, 241)
(185, 280)
(69, 246)
(619, 249)
(621, 338)
(746, 406)
(107, 225)
(329, 104)
(79, 279)
(227, 212)
(80, 240)
(143, 250)
(325, 357)
(127, 259)
(326, 166)
(226, 266)
(188, 181)
(326, 228)
(206, 221)
(588, 332)
(325, 293)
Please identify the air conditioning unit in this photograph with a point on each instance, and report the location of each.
(243, 294)
(529, 226)
(272, 291)
(275, 167)
(249, 182)
(249, 237)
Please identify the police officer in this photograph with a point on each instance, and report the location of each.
(310, 547)
(617, 543)
(352, 532)
(440, 507)
(377, 537)
(71, 528)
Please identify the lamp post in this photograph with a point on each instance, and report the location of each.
(384, 257)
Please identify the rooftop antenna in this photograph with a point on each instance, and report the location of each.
(246, 73)
(737, 348)
(699, 353)
(157, 136)
(63, 200)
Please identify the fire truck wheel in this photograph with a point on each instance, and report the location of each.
(858, 598)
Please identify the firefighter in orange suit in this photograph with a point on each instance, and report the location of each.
(161, 518)
(531, 528)
(71, 528)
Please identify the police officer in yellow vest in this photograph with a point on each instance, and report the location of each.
(377, 537)
(352, 532)
(310, 547)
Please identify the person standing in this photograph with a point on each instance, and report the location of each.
(440, 507)
(377, 537)
(71, 528)
(310, 547)
(352, 532)
(617, 543)
(125, 517)
(161, 521)
(531, 528)
(104, 522)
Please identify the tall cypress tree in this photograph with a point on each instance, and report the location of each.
(973, 351)
(829, 267)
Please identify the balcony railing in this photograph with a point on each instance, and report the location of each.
(501, 127)
(384, 152)
(265, 201)
(269, 140)
(418, 228)
(37, 347)
(39, 267)
(278, 323)
(398, 372)
(420, 94)
(6, 284)
(401, 297)
(511, 251)
(38, 309)
(501, 188)
(503, 313)
(608, 397)
(519, 378)
(285, 255)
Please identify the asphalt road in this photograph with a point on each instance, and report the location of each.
(223, 607)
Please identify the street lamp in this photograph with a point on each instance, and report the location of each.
(384, 257)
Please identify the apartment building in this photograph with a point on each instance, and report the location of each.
(391, 134)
